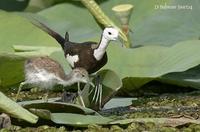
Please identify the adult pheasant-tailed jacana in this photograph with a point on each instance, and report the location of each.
(45, 72)
(88, 55)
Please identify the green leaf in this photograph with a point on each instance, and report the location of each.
(41, 113)
(119, 101)
(189, 78)
(37, 5)
(162, 26)
(11, 70)
(79, 29)
(78, 119)
(59, 107)
(16, 30)
(154, 61)
(151, 26)
(141, 65)
(65, 113)
(30, 51)
(15, 110)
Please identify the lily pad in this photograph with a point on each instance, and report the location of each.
(59, 107)
(78, 119)
(65, 113)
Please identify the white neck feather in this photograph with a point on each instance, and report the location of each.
(69, 81)
(100, 51)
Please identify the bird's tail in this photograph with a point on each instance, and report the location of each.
(52, 33)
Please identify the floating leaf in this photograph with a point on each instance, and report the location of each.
(65, 113)
(41, 113)
(78, 119)
(59, 107)
(15, 110)
(117, 101)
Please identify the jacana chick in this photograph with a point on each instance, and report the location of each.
(45, 73)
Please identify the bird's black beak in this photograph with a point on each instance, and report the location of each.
(121, 42)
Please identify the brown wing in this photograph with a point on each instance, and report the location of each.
(88, 62)
(86, 58)
(84, 52)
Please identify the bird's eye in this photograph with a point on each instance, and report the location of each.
(82, 75)
(109, 33)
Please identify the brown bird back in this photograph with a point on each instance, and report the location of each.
(45, 63)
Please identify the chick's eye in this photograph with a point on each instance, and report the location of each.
(109, 33)
(82, 75)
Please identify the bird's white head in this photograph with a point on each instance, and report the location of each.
(110, 33)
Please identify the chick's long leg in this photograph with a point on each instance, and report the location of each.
(46, 95)
(80, 95)
(19, 89)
